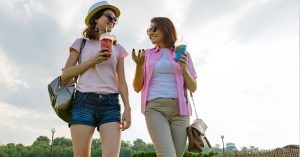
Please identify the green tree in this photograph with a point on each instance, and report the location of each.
(216, 149)
(40, 147)
(2, 154)
(59, 151)
(42, 139)
(230, 148)
(125, 144)
(21, 150)
(244, 149)
(11, 150)
(96, 148)
(150, 147)
(139, 145)
(62, 142)
(253, 149)
(126, 149)
(125, 152)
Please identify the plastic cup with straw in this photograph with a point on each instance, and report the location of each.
(106, 41)
(180, 48)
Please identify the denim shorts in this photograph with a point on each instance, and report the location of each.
(95, 109)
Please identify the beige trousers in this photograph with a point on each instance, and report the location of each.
(166, 127)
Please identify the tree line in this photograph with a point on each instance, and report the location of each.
(62, 147)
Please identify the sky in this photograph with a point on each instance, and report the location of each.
(246, 55)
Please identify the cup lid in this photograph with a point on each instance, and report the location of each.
(107, 35)
(180, 42)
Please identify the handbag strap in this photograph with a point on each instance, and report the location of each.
(191, 95)
(80, 50)
(80, 55)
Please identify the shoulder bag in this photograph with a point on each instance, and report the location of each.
(196, 133)
(62, 95)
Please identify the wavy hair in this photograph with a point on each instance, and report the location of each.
(168, 29)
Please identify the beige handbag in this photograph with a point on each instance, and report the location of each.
(196, 133)
(62, 95)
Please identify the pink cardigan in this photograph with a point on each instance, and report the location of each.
(152, 55)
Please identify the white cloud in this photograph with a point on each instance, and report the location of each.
(22, 125)
(69, 15)
(242, 80)
(177, 11)
(9, 75)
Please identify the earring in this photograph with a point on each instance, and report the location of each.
(94, 26)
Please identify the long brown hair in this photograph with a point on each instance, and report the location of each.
(168, 29)
(91, 32)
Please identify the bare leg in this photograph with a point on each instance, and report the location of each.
(110, 135)
(81, 139)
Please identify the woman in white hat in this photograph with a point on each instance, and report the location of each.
(101, 80)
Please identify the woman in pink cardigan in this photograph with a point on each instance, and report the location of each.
(163, 83)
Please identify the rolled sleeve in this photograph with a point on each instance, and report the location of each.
(191, 67)
(122, 52)
(76, 45)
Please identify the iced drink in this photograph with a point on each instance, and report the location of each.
(180, 48)
(106, 42)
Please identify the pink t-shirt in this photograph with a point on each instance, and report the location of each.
(103, 77)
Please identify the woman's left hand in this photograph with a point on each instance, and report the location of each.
(126, 119)
(183, 61)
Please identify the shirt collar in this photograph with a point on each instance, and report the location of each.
(156, 49)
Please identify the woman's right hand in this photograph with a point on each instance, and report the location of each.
(140, 58)
(101, 56)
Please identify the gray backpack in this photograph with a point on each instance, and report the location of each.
(62, 95)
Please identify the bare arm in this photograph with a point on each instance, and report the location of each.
(138, 80)
(189, 80)
(123, 89)
(122, 84)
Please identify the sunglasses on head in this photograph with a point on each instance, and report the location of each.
(152, 29)
(111, 17)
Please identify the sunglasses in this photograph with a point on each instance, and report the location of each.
(111, 17)
(152, 29)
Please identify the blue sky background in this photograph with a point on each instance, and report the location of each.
(246, 55)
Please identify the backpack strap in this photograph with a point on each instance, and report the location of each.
(80, 54)
(80, 50)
